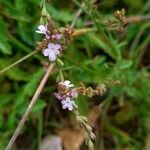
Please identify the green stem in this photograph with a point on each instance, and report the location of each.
(19, 61)
(61, 75)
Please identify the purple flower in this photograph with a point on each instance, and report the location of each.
(42, 29)
(67, 95)
(67, 83)
(68, 103)
(57, 36)
(52, 51)
(74, 93)
(58, 96)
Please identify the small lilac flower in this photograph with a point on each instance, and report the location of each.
(42, 29)
(58, 96)
(67, 83)
(52, 51)
(56, 36)
(68, 103)
(74, 93)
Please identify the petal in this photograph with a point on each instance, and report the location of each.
(70, 107)
(67, 82)
(70, 85)
(53, 36)
(42, 28)
(57, 52)
(47, 36)
(38, 31)
(63, 102)
(57, 46)
(52, 57)
(46, 52)
(58, 96)
(74, 93)
(67, 99)
(58, 36)
(51, 45)
(64, 106)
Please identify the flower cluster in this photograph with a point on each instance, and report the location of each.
(66, 94)
(120, 15)
(53, 47)
(118, 21)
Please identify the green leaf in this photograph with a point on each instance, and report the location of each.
(25, 32)
(124, 64)
(5, 47)
(101, 43)
(59, 15)
(4, 99)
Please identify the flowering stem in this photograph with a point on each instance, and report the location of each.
(19, 61)
(34, 99)
(61, 75)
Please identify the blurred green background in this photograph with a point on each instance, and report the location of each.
(125, 123)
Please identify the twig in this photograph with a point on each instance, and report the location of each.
(136, 40)
(19, 61)
(132, 19)
(34, 99)
(77, 15)
(82, 31)
(141, 51)
(129, 19)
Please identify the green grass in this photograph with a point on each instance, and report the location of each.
(91, 58)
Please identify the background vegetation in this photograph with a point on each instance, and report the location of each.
(91, 58)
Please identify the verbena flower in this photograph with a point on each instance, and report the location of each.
(67, 95)
(59, 96)
(56, 36)
(52, 51)
(74, 93)
(67, 84)
(42, 29)
(68, 103)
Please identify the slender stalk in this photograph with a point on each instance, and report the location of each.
(26, 114)
(17, 62)
(135, 42)
(132, 19)
(77, 16)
